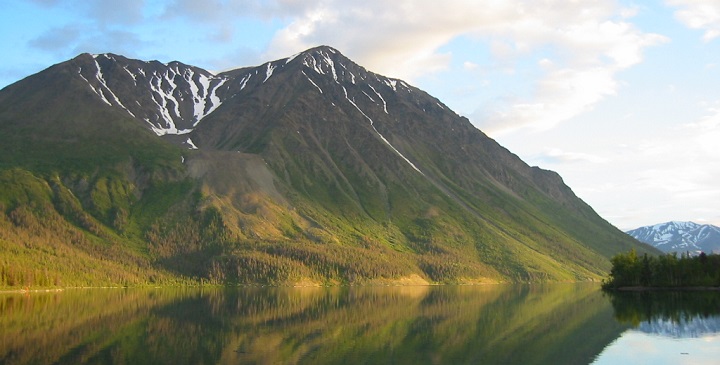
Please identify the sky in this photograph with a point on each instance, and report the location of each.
(621, 98)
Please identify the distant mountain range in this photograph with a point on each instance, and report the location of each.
(306, 169)
(680, 237)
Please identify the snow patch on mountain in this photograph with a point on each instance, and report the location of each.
(381, 98)
(102, 87)
(174, 98)
(312, 82)
(269, 71)
(105, 85)
(372, 124)
(287, 60)
(323, 66)
(244, 81)
(170, 93)
(680, 237)
(190, 143)
(131, 75)
(214, 101)
(163, 101)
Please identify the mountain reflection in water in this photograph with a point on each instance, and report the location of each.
(680, 314)
(668, 327)
(497, 324)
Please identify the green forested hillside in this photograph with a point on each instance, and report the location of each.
(327, 181)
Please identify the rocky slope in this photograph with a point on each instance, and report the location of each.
(303, 169)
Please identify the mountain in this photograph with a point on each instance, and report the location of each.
(307, 169)
(680, 237)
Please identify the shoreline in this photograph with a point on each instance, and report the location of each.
(466, 283)
(664, 288)
(24, 291)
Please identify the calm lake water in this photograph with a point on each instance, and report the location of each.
(498, 324)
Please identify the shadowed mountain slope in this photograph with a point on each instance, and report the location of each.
(308, 168)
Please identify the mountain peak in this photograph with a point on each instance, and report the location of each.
(675, 225)
(309, 167)
(326, 60)
(316, 51)
(172, 98)
(680, 236)
(322, 48)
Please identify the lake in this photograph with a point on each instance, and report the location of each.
(494, 324)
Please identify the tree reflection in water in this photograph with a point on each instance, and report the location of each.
(671, 313)
(515, 324)
(668, 327)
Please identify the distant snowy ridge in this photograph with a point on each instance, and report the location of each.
(680, 237)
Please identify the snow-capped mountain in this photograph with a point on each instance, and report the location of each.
(171, 98)
(313, 165)
(680, 237)
(174, 98)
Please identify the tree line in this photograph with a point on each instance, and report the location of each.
(663, 271)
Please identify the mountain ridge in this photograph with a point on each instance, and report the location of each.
(304, 168)
(677, 236)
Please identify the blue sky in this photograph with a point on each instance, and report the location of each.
(619, 97)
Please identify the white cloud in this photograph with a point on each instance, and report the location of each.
(470, 65)
(561, 95)
(399, 39)
(636, 173)
(589, 43)
(594, 50)
(706, 133)
(699, 14)
(677, 167)
(557, 155)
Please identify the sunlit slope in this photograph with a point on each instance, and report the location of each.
(306, 169)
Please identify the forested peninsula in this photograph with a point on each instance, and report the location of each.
(632, 272)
